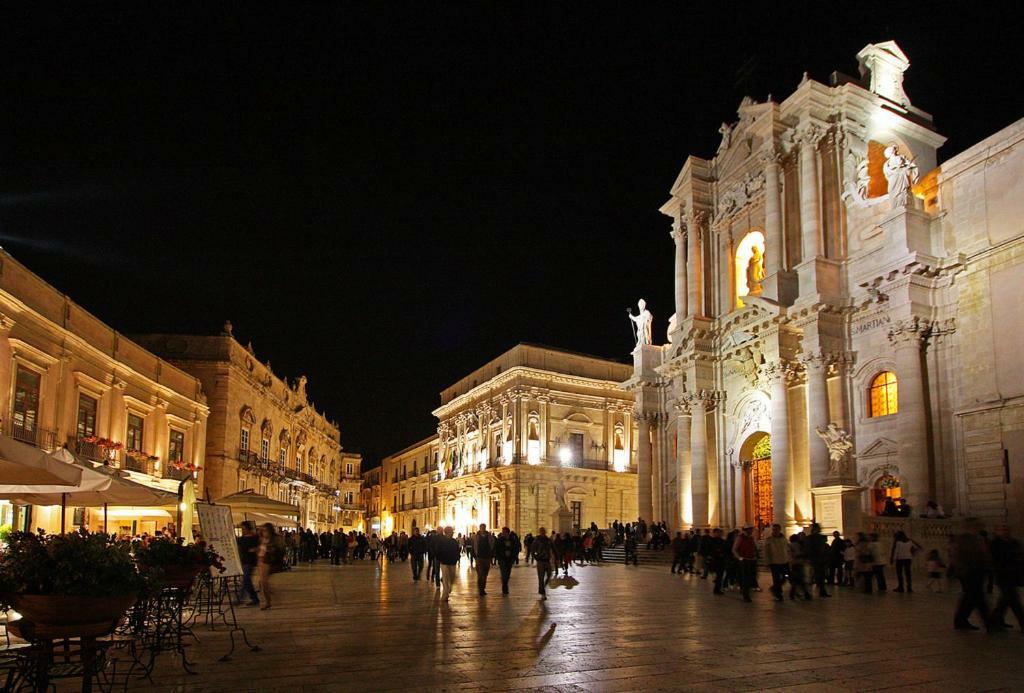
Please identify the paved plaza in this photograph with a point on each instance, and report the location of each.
(366, 627)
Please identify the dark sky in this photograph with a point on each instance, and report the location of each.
(384, 197)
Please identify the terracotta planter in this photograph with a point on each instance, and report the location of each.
(72, 610)
(180, 576)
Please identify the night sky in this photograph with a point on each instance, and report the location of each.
(384, 197)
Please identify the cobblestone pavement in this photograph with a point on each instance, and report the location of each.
(365, 627)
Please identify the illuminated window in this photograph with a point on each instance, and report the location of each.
(882, 395)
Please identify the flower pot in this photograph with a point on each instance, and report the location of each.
(179, 576)
(72, 610)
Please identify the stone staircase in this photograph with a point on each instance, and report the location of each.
(644, 556)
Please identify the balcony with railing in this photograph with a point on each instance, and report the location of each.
(172, 472)
(31, 434)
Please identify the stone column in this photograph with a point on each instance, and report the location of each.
(645, 501)
(699, 462)
(908, 339)
(810, 226)
(681, 287)
(782, 479)
(817, 417)
(683, 463)
(773, 259)
(694, 305)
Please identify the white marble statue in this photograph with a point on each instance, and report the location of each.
(900, 173)
(560, 495)
(839, 444)
(643, 321)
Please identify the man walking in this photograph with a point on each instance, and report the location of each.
(716, 558)
(483, 549)
(248, 545)
(447, 555)
(678, 552)
(542, 553)
(818, 554)
(776, 555)
(506, 551)
(417, 547)
(1008, 567)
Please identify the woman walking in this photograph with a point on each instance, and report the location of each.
(902, 556)
(270, 556)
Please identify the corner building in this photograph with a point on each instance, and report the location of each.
(264, 434)
(822, 285)
(512, 432)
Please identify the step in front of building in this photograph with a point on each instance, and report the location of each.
(617, 554)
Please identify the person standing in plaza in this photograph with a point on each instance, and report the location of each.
(527, 543)
(433, 564)
(506, 552)
(678, 553)
(483, 550)
(798, 567)
(417, 547)
(543, 552)
(902, 556)
(745, 551)
(777, 555)
(629, 548)
(819, 554)
(879, 566)
(715, 560)
(1008, 568)
(448, 551)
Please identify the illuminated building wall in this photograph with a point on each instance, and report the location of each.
(508, 434)
(821, 251)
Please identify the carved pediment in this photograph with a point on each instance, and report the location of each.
(882, 447)
(247, 415)
(578, 417)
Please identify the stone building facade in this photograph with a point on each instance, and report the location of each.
(531, 421)
(846, 317)
(66, 378)
(265, 434)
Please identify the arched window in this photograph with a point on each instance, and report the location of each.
(882, 395)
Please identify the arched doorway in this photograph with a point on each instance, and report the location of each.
(756, 456)
(886, 487)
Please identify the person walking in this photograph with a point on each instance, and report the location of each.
(865, 551)
(902, 556)
(527, 542)
(270, 557)
(971, 564)
(543, 551)
(417, 546)
(678, 553)
(1008, 569)
(448, 551)
(798, 567)
(248, 547)
(879, 566)
(629, 548)
(715, 561)
(777, 555)
(506, 552)
(745, 550)
(483, 550)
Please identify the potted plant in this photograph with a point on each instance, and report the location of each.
(167, 562)
(68, 579)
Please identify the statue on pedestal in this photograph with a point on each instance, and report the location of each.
(642, 322)
(560, 496)
(839, 444)
(900, 173)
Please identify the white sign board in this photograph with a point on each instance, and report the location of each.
(218, 529)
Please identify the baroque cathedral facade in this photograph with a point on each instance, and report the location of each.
(847, 317)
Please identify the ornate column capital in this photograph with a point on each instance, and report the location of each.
(912, 332)
(771, 156)
(678, 232)
(809, 134)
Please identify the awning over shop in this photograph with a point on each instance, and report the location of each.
(24, 468)
(263, 518)
(250, 501)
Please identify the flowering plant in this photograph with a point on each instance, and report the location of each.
(182, 464)
(141, 456)
(106, 443)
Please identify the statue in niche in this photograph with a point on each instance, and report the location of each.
(858, 180)
(755, 272)
(641, 322)
(839, 444)
(900, 173)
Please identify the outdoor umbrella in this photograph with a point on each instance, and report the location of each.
(97, 488)
(24, 468)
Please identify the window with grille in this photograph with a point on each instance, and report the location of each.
(883, 397)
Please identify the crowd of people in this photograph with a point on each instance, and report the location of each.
(798, 565)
